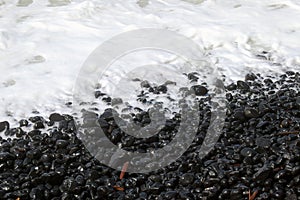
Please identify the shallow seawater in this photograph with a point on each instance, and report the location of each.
(43, 44)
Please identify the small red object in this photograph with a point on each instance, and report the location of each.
(118, 188)
(124, 169)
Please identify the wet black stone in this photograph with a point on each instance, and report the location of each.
(231, 87)
(239, 114)
(243, 85)
(61, 143)
(23, 122)
(248, 152)
(186, 179)
(199, 90)
(55, 117)
(4, 125)
(251, 113)
(162, 88)
(39, 125)
(145, 84)
(250, 77)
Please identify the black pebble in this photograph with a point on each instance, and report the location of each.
(243, 85)
(251, 113)
(199, 90)
(55, 117)
(145, 84)
(23, 122)
(248, 152)
(187, 179)
(231, 87)
(162, 88)
(4, 125)
(39, 125)
(250, 77)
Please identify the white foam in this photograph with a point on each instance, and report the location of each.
(43, 44)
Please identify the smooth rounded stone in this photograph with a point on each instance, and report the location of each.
(46, 158)
(199, 90)
(231, 87)
(285, 123)
(39, 125)
(186, 179)
(61, 143)
(248, 152)
(239, 114)
(268, 81)
(242, 85)
(162, 88)
(4, 126)
(116, 101)
(55, 117)
(251, 113)
(145, 84)
(263, 142)
(250, 77)
(23, 122)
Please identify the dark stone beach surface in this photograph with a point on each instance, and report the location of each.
(256, 157)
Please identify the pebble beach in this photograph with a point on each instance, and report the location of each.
(254, 47)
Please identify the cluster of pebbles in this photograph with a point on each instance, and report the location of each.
(256, 157)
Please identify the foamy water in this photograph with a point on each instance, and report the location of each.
(43, 44)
